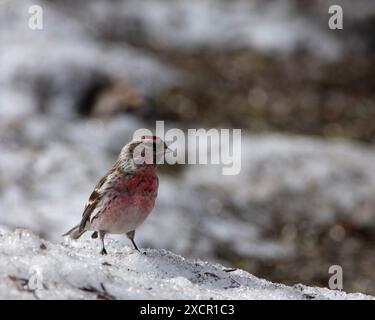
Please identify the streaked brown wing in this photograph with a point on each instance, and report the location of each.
(93, 201)
(90, 207)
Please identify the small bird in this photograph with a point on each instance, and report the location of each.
(125, 196)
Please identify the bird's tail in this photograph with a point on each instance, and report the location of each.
(74, 233)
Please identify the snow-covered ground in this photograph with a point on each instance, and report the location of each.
(55, 67)
(32, 268)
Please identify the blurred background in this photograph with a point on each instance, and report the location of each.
(72, 94)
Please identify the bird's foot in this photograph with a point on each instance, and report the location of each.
(141, 252)
(103, 252)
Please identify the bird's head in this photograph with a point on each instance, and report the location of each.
(146, 152)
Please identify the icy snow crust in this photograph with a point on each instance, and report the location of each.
(32, 268)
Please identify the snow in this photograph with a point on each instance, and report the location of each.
(33, 268)
(331, 175)
(58, 63)
(193, 24)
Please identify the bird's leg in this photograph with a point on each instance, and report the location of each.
(94, 235)
(101, 236)
(130, 235)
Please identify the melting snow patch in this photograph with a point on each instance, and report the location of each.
(32, 268)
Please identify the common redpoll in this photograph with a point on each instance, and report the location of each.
(125, 196)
